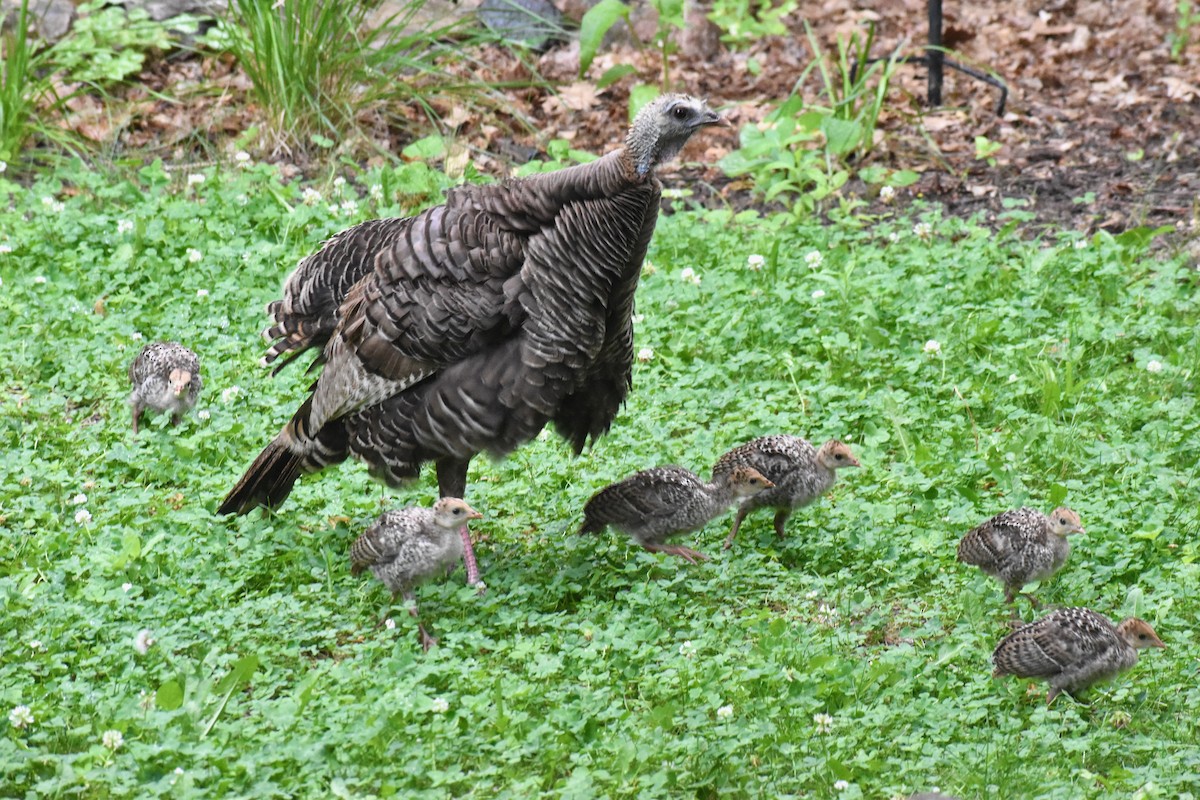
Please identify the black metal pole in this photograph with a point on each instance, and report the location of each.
(935, 53)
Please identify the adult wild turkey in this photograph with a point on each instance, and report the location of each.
(470, 326)
(1072, 648)
(655, 504)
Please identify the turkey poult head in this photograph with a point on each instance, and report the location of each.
(451, 513)
(1139, 634)
(1064, 522)
(747, 482)
(836, 455)
(180, 380)
(663, 127)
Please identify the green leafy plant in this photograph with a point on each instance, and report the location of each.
(319, 70)
(1187, 18)
(600, 18)
(108, 43)
(803, 152)
(746, 21)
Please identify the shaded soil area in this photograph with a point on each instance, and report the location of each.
(1100, 129)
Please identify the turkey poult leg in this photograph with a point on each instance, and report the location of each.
(781, 518)
(686, 553)
(137, 413)
(737, 523)
(452, 482)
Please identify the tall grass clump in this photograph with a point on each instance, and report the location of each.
(321, 70)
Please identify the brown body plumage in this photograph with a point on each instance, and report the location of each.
(165, 377)
(469, 327)
(1021, 546)
(655, 504)
(800, 473)
(1072, 648)
(408, 546)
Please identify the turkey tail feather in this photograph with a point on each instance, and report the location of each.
(267, 482)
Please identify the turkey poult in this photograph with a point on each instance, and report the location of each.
(469, 327)
(800, 473)
(1072, 648)
(658, 503)
(165, 377)
(1020, 547)
(408, 546)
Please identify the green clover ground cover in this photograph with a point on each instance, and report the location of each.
(152, 649)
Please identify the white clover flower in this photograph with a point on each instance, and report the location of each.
(146, 700)
(4, 248)
(789, 674)
(841, 785)
(3, 166)
(143, 641)
(203, 413)
(124, 226)
(1080, 244)
(688, 275)
(278, 4)
(83, 517)
(389, 623)
(923, 231)
(79, 499)
(814, 259)
(194, 255)
(932, 346)
(824, 722)
(39, 279)
(52, 205)
(894, 237)
(195, 178)
(1013, 378)
(349, 207)
(638, 319)
(310, 196)
(20, 717)
(687, 649)
(241, 157)
(375, 192)
(1154, 365)
(36, 644)
(230, 393)
(724, 712)
(202, 293)
(179, 770)
(241, 200)
(125, 587)
(339, 182)
(886, 195)
(112, 739)
(755, 262)
(648, 268)
(439, 705)
(818, 294)
(645, 354)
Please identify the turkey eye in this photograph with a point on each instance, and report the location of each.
(680, 112)
(1062, 520)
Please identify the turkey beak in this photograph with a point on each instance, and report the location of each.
(854, 462)
(1159, 643)
(713, 118)
(473, 514)
(181, 383)
(1077, 529)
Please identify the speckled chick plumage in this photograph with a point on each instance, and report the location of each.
(1072, 648)
(656, 504)
(800, 473)
(471, 326)
(408, 546)
(165, 377)
(1021, 546)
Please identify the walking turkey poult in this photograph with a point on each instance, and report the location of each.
(165, 377)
